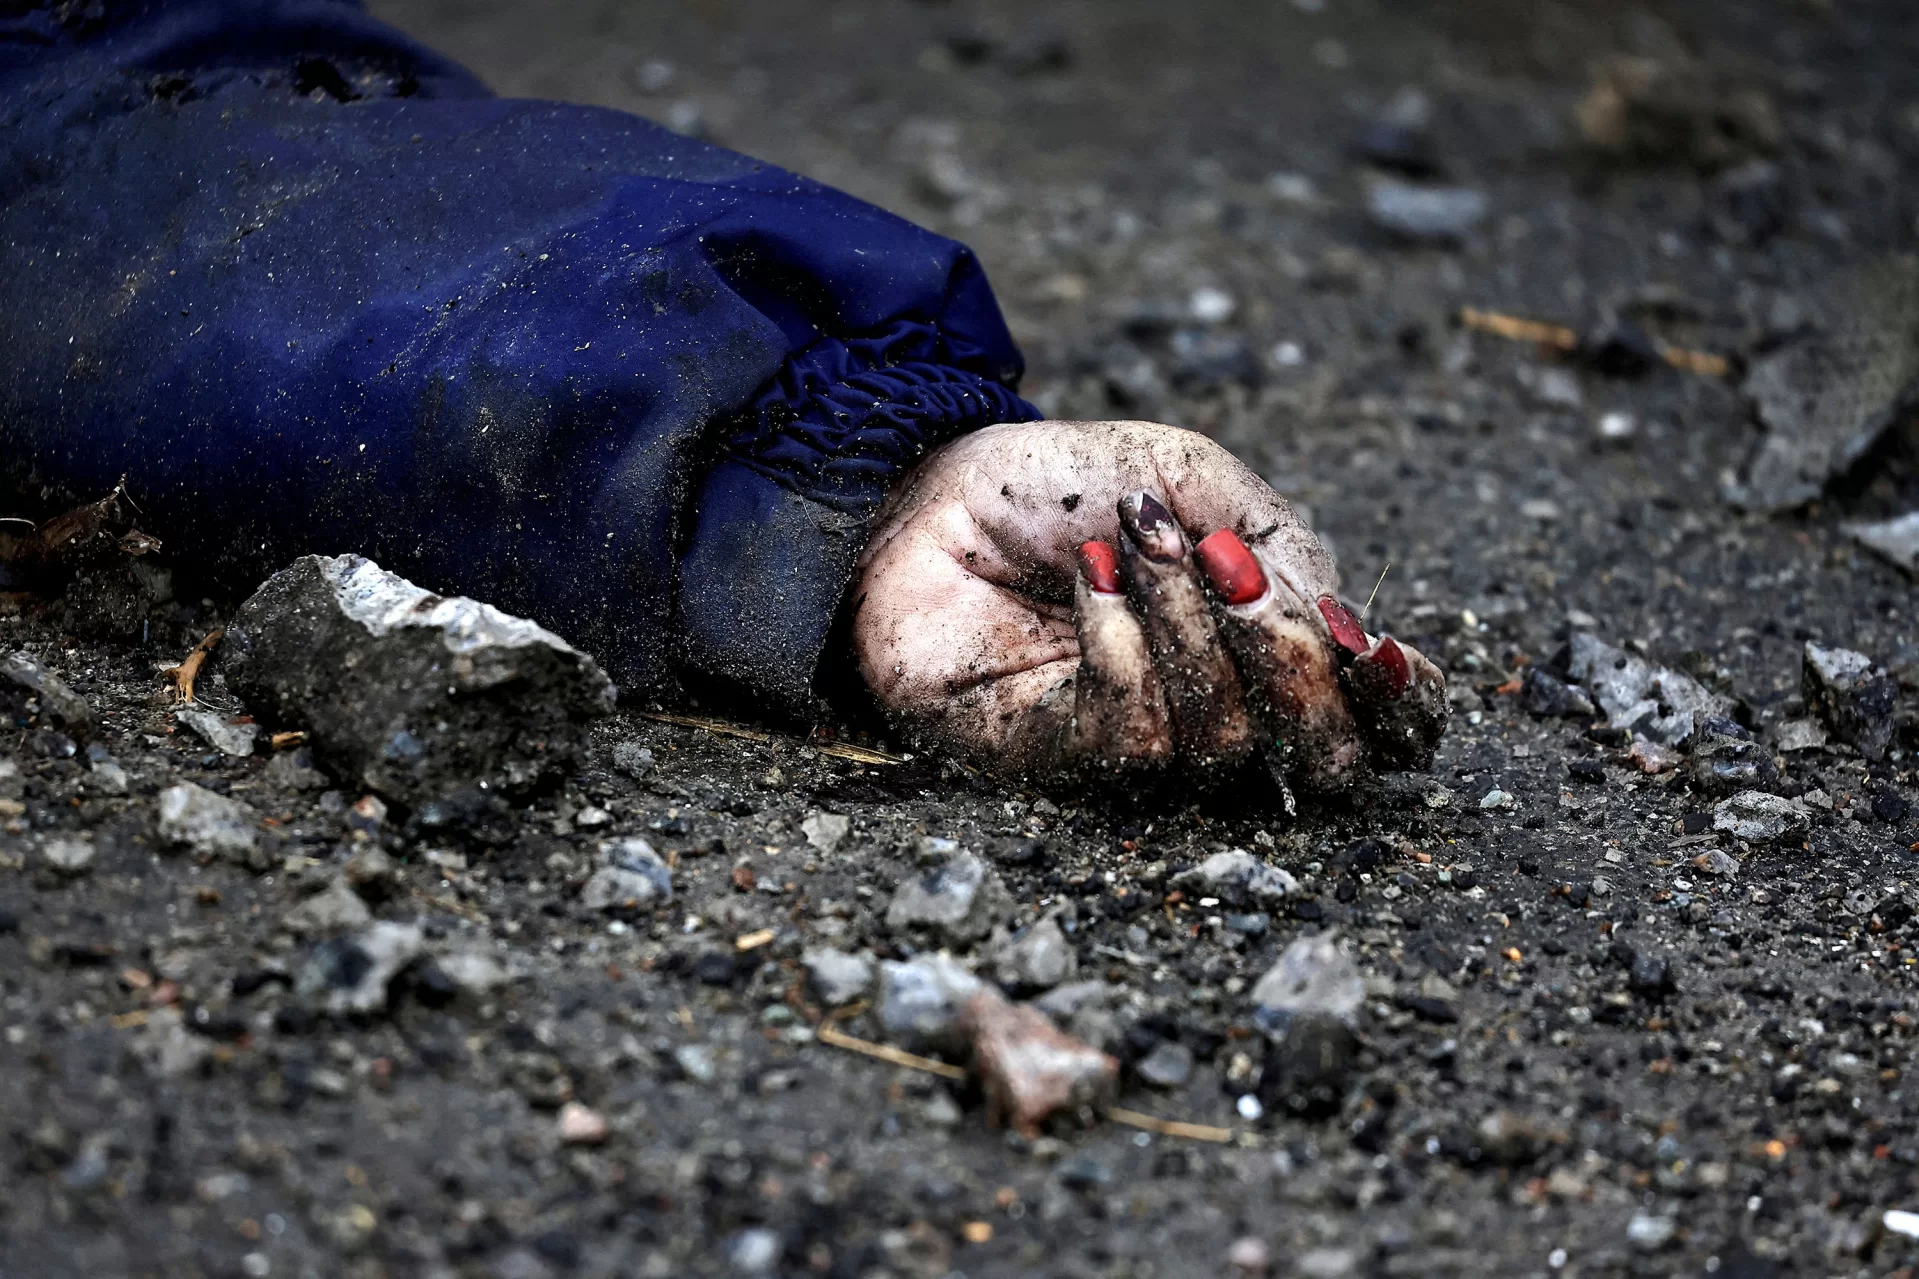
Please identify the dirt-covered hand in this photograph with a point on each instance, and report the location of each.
(1119, 597)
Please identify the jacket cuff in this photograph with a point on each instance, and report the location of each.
(781, 519)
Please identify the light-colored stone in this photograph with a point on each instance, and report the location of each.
(826, 831)
(211, 825)
(959, 901)
(1239, 879)
(336, 908)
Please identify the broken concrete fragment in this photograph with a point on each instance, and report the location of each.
(213, 826)
(415, 695)
(920, 1000)
(618, 889)
(293, 770)
(1726, 759)
(1544, 694)
(581, 1125)
(1238, 879)
(336, 908)
(633, 877)
(1038, 959)
(1855, 697)
(473, 972)
(1027, 1068)
(1716, 861)
(959, 900)
(1825, 398)
(1759, 818)
(1636, 695)
(350, 975)
(32, 693)
(1085, 1010)
(1896, 539)
(1312, 976)
(633, 759)
(826, 831)
(837, 978)
(218, 731)
(70, 855)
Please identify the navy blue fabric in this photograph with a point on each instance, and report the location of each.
(310, 288)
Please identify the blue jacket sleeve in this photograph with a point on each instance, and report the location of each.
(310, 288)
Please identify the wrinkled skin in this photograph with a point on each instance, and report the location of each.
(987, 626)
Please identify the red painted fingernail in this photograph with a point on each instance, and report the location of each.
(1234, 572)
(1347, 632)
(1099, 565)
(1391, 659)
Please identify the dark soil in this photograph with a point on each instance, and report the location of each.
(1532, 1097)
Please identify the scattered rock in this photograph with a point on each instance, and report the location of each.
(472, 972)
(211, 825)
(294, 770)
(581, 1125)
(1648, 1233)
(836, 977)
(1027, 1068)
(1238, 879)
(1424, 214)
(1725, 759)
(1169, 1065)
(336, 908)
(1896, 539)
(350, 975)
(634, 878)
(414, 695)
(1084, 1009)
(920, 1000)
(633, 759)
(218, 731)
(1636, 695)
(696, 1063)
(1306, 1004)
(826, 831)
(1855, 697)
(1759, 818)
(70, 855)
(1799, 735)
(1038, 959)
(1827, 396)
(753, 1251)
(1248, 1257)
(372, 873)
(29, 692)
(1716, 861)
(958, 901)
(1497, 799)
(1651, 976)
(1544, 694)
(1312, 976)
(1653, 758)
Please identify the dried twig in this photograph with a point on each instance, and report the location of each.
(447, 904)
(1557, 337)
(828, 1033)
(719, 726)
(1168, 1127)
(188, 670)
(1516, 328)
(860, 754)
(1375, 595)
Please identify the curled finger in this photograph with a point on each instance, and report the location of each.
(1119, 712)
(1204, 700)
(1286, 655)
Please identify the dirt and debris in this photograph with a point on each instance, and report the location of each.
(1613, 1022)
(417, 696)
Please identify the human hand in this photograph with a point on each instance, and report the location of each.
(1035, 598)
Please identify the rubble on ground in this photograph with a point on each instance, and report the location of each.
(411, 694)
(1853, 695)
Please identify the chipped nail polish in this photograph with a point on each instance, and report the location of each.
(1347, 632)
(1151, 526)
(1099, 565)
(1231, 568)
(1390, 659)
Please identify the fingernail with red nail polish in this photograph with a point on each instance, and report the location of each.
(1390, 659)
(1234, 572)
(1099, 565)
(1151, 526)
(1347, 632)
